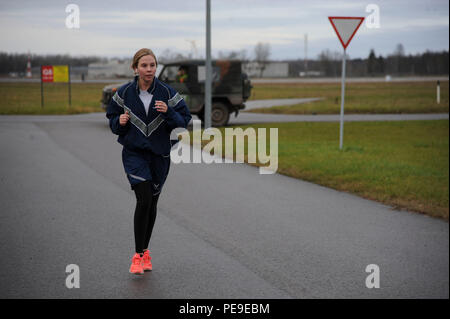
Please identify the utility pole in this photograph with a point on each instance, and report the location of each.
(208, 67)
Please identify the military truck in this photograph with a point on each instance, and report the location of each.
(230, 87)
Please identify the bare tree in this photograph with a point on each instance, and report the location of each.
(330, 62)
(262, 53)
(228, 55)
(168, 56)
(233, 55)
(243, 54)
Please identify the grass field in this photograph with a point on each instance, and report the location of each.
(25, 98)
(391, 97)
(404, 164)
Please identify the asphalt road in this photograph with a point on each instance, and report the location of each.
(222, 230)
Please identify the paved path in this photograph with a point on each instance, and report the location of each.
(250, 105)
(222, 231)
(248, 118)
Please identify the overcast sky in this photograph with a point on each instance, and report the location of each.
(119, 28)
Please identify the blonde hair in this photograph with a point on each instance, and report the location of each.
(139, 54)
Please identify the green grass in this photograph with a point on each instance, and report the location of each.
(404, 164)
(25, 98)
(392, 97)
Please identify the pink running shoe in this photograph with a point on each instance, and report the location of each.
(147, 261)
(136, 265)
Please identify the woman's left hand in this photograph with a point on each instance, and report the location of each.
(160, 106)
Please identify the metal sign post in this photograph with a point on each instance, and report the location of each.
(42, 91)
(52, 74)
(345, 28)
(438, 92)
(70, 85)
(341, 129)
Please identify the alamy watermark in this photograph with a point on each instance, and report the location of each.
(373, 280)
(73, 279)
(256, 143)
(73, 19)
(373, 19)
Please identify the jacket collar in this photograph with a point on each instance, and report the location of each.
(150, 89)
(141, 109)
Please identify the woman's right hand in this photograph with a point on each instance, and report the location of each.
(123, 119)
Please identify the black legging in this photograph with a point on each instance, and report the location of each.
(144, 215)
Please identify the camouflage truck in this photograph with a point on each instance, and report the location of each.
(230, 87)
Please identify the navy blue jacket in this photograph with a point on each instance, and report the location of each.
(142, 131)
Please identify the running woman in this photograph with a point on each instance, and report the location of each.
(143, 113)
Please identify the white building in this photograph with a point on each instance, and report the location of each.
(111, 69)
(271, 69)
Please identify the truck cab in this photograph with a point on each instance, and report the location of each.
(230, 87)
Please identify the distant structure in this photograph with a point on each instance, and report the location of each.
(271, 70)
(112, 69)
(28, 73)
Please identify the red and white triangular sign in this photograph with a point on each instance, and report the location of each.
(346, 28)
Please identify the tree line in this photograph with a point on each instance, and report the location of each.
(328, 63)
(397, 64)
(17, 62)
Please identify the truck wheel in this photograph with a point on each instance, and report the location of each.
(220, 114)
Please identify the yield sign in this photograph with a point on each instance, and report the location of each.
(346, 28)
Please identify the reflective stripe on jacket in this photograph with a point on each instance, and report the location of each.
(152, 131)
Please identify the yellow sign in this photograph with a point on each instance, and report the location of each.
(60, 73)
